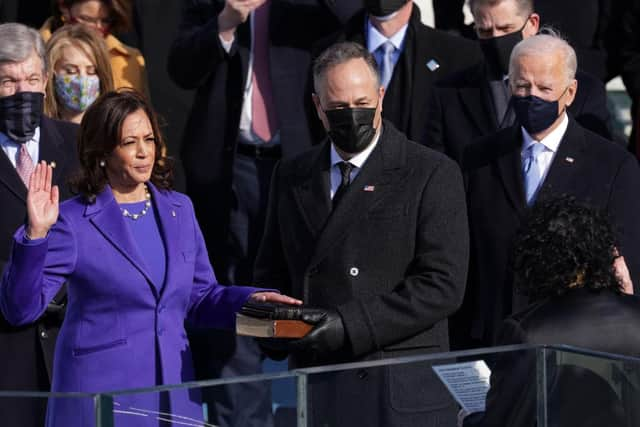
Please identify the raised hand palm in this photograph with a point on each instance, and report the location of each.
(42, 200)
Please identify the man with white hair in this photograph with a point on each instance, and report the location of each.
(474, 102)
(26, 138)
(546, 153)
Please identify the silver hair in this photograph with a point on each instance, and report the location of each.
(547, 41)
(20, 41)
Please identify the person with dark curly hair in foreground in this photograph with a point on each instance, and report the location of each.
(564, 260)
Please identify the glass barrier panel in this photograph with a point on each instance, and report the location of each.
(530, 385)
(586, 388)
(19, 409)
(182, 405)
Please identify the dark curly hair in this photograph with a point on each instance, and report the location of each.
(563, 245)
(100, 133)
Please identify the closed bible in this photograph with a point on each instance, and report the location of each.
(269, 320)
(270, 328)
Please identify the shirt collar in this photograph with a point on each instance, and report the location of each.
(551, 141)
(375, 39)
(359, 159)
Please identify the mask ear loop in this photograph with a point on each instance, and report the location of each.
(564, 109)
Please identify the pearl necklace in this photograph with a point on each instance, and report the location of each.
(143, 212)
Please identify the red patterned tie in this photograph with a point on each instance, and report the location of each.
(264, 116)
(24, 164)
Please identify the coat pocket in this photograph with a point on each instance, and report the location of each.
(82, 351)
(97, 333)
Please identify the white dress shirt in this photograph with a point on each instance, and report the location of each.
(246, 134)
(551, 143)
(375, 39)
(11, 148)
(357, 161)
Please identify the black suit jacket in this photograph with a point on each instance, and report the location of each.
(26, 353)
(405, 102)
(391, 258)
(198, 61)
(586, 166)
(596, 320)
(585, 24)
(461, 110)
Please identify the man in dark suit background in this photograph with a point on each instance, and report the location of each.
(27, 137)
(545, 153)
(372, 228)
(475, 102)
(417, 57)
(562, 259)
(249, 62)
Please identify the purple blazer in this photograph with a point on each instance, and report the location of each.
(119, 331)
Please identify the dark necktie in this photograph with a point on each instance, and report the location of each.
(345, 170)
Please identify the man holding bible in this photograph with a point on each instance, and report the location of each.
(372, 229)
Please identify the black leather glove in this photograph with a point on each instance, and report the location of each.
(327, 335)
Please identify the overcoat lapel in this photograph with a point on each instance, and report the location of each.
(170, 218)
(10, 178)
(311, 191)
(509, 168)
(562, 172)
(107, 218)
(378, 178)
(51, 143)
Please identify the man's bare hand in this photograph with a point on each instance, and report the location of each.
(235, 12)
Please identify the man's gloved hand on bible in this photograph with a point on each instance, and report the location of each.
(326, 337)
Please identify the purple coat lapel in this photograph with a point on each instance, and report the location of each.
(106, 216)
(168, 209)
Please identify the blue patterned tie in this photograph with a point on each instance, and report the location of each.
(532, 170)
(386, 67)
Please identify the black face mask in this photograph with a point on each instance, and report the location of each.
(20, 115)
(383, 7)
(497, 50)
(535, 114)
(351, 129)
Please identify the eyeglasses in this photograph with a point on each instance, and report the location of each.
(94, 22)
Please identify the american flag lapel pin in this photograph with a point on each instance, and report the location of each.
(569, 159)
(369, 188)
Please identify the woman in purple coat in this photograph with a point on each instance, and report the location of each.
(136, 267)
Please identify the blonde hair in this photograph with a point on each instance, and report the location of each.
(88, 42)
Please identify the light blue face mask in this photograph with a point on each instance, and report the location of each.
(77, 92)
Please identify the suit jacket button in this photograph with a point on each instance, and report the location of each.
(354, 271)
(362, 374)
(44, 335)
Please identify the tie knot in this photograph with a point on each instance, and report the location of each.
(535, 149)
(345, 170)
(387, 47)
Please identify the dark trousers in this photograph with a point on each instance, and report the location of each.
(220, 354)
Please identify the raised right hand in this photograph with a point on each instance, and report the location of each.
(235, 12)
(42, 202)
